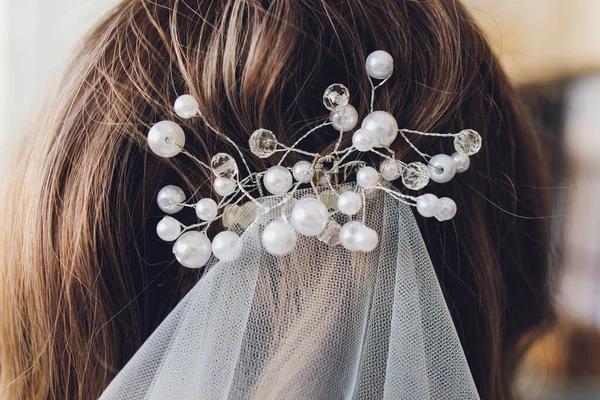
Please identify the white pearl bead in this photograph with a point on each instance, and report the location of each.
(278, 180)
(230, 214)
(364, 140)
(428, 205)
(462, 162)
(442, 168)
(206, 209)
(227, 246)
(186, 106)
(447, 209)
(367, 240)
(345, 118)
(279, 238)
(309, 216)
(168, 229)
(380, 64)
(355, 236)
(166, 139)
(383, 125)
(391, 169)
(349, 203)
(169, 199)
(224, 186)
(192, 249)
(348, 235)
(303, 171)
(367, 177)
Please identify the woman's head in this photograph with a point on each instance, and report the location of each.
(85, 279)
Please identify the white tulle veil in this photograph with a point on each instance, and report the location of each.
(320, 323)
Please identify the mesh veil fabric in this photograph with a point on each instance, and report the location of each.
(320, 323)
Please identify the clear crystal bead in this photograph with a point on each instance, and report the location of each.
(391, 169)
(336, 96)
(331, 234)
(263, 143)
(467, 142)
(415, 176)
(329, 198)
(223, 165)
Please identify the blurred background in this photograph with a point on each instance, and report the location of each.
(550, 49)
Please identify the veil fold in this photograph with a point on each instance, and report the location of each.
(319, 323)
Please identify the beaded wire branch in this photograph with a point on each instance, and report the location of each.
(309, 216)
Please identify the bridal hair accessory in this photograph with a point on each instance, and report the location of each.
(312, 215)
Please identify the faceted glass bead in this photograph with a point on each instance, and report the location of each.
(415, 176)
(263, 143)
(391, 169)
(224, 166)
(331, 234)
(336, 96)
(467, 142)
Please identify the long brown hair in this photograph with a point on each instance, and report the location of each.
(84, 278)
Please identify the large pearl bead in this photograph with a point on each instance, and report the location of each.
(186, 106)
(349, 203)
(169, 199)
(166, 139)
(428, 205)
(227, 246)
(380, 64)
(278, 180)
(309, 216)
(168, 229)
(344, 119)
(192, 249)
(207, 209)
(303, 171)
(447, 209)
(367, 177)
(230, 215)
(224, 186)
(279, 238)
(442, 168)
(364, 140)
(383, 125)
(462, 162)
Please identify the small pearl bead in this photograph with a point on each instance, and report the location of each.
(349, 203)
(309, 216)
(348, 235)
(380, 64)
(428, 205)
(186, 106)
(364, 140)
(383, 125)
(367, 177)
(169, 199)
(345, 118)
(303, 171)
(279, 238)
(224, 186)
(168, 229)
(192, 249)
(368, 239)
(166, 139)
(278, 180)
(442, 168)
(227, 246)
(230, 214)
(447, 209)
(206, 209)
(462, 162)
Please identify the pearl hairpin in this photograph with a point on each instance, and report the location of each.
(309, 216)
